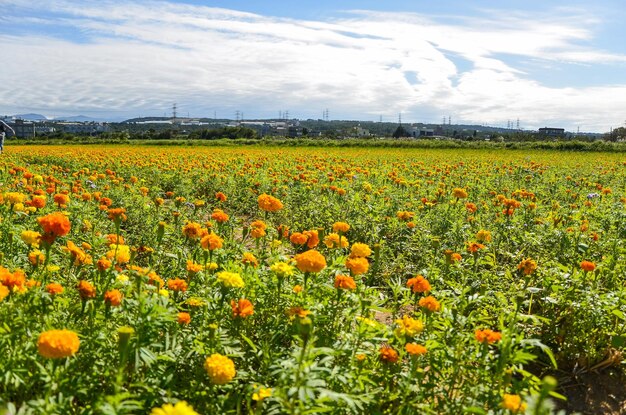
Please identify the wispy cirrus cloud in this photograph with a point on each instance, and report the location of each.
(140, 57)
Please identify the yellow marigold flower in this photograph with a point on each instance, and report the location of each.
(4, 292)
(282, 269)
(31, 238)
(459, 193)
(513, 403)
(408, 326)
(55, 344)
(220, 369)
(261, 394)
(230, 279)
(357, 265)
(483, 236)
(310, 261)
(341, 227)
(360, 250)
(527, 266)
(269, 203)
(333, 240)
(121, 253)
(14, 197)
(181, 408)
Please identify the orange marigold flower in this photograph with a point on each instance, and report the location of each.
(219, 216)
(357, 265)
(249, 259)
(527, 266)
(61, 199)
(12, 280)
(86, 290)
(269, 203)
(341, 227)
(487, 336)
(312, 238)
(587, 266)
(333, 240)
(474, 247)
(298, 311)
(310, 261)
(115, 239)
(113, 298)
(54, 288)
(54, 225)
(430, 303)
(192, 230)
(513, 403)
(117, 214)
(220, 369)
(184, 318)
(405, 215)
(242, 308)
(387, 354)
(39, 202)
(56, 344)
(221, 196)
(298, 238)
(419, 284)
(211, 242)
(344, 282)
(415, 349)
(103, 264)
(257, 229)
(177, 284)
(193, 268)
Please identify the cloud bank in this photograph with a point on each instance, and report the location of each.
(113, 57)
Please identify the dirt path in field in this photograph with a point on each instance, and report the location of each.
(595, 393)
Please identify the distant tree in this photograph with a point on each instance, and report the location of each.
(400, 132)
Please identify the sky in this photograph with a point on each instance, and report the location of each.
(547, 63)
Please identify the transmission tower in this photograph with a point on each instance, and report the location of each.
(237, 115)
(174, 111)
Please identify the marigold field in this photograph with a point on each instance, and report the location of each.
(223, 280)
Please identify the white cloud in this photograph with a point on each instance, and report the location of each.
(141, 57)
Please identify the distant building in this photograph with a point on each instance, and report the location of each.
(85, 128)
(421, 131)
(23, 129)
(552, 132)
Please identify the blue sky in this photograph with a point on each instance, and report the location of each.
(551, 63)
